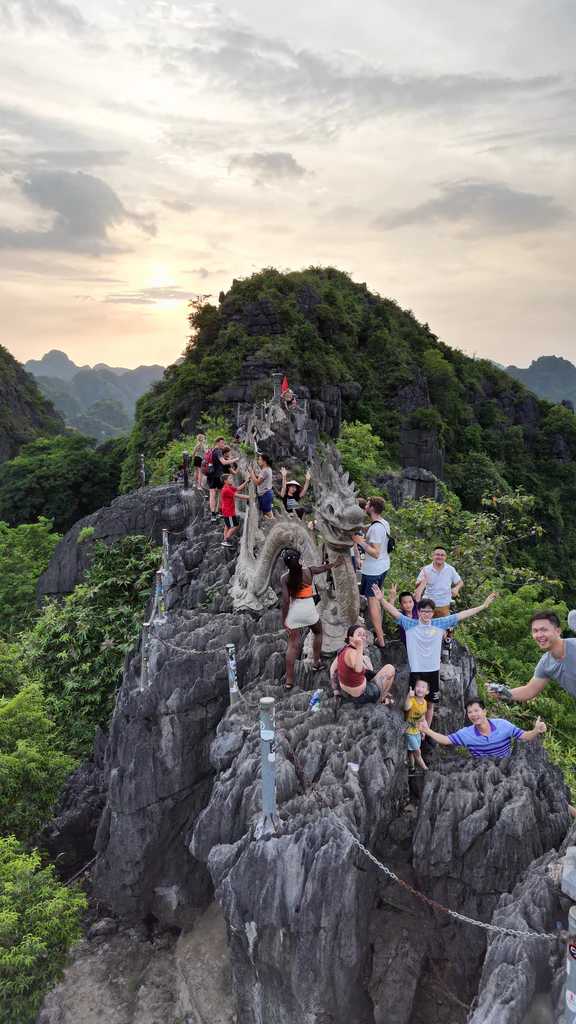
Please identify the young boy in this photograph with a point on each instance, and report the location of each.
(228, 505)
(414, 712)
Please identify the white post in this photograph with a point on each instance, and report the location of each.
(165, 550)
(268, 759)
(144, 655)
(232, 674)
(160, 598)
(570, 1017)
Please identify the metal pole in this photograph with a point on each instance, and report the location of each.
(142, 470)
(186, 468)
(232, 674)
(570, 1017)
(165, 550)
(144, 655)
(268, 758)
(160, 597)
(277, 381)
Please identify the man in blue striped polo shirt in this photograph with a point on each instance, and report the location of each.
(486, 737)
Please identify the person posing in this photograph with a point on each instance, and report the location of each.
(298, 608)
(262, 477)
(376, 561)
(415, 709)
(219, 459)
(292, 492)
(197, 457)
(352, 674)
(228, 496)
(485, 737)
(424, 639)
(558, 659)
(441, 582)
(408, 604)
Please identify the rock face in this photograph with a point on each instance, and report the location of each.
(146, 511)
(24, 413)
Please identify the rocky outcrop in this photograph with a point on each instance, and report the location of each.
(24, 413)
(146, 512)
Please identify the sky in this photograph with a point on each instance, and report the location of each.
(151, 152)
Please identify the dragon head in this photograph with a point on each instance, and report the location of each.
(336, 510)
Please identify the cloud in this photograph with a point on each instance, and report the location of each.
(490, 208)
(42, 14)
(264, 70)
(180, 205)
(149, 296)
(45, 131)
(267, 167)
(80, 157)
(85, 208)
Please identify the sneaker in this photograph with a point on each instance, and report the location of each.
(226, 544)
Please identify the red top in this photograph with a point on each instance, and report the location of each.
(227, 503)
(346, 675)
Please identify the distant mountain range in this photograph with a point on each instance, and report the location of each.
(99, 401)
(550, 377)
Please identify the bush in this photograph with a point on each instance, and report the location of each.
(32, 770)
(39, 919)
(77, 648)
(24, 554)
(362, 452)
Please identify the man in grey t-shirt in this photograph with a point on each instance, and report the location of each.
(558, 659)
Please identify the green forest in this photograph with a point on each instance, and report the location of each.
(507, 518)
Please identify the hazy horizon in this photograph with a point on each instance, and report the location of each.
(152, 151)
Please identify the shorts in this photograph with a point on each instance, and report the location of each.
(433, 680)
(265, 501)
(371, 695)
(231, 521)
(441, 610)
(367, 582)
(215, 482)
(413, 740)
(197, 461)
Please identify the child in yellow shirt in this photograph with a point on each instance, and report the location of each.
(414, 711)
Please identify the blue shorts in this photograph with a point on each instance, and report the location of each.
(265, 501)
(367, 582)
(413, 740)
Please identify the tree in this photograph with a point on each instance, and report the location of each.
(39, 919)
(63, 478)
(24, 554)
(362, 452)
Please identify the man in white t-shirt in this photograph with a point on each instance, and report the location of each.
(442, 582)
(376, 561)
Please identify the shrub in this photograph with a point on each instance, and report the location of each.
(24, 554)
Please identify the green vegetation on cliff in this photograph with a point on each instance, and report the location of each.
(321, 328)
(24, 413)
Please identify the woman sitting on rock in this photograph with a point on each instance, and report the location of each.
(352, 676)
(299, 610)
(292, 492)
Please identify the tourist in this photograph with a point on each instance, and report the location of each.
(442, 582)
(292, 492)
(485, 737)
(197, 457)
(415, 709)
(228, 496)
(408, 604)
(262, 477)
(299, 610)
(212, 468)
(376, 561)
(558, 659)
(288, 398)
(424, 639)
(352, 676)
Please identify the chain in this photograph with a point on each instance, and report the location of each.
(496, 929)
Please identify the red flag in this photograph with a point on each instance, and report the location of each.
(284, 385)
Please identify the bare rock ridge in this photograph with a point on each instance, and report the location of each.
(316, 933)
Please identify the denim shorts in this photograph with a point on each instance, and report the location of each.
(371, 695)
(367, 582)
(413, 740)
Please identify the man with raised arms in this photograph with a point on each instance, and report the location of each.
(558, 660)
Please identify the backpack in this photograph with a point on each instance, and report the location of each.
(391, 541)
(207, 461)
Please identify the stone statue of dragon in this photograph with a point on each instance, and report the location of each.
(337, 516)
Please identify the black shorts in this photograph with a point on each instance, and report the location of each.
(371, 695)
(197, 461)
(231, 521)
(215, 482)
(433, 680)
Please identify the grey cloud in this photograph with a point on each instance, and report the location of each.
(43, 14)
(48, 132)
(261, 69)
(78, 158)
(148, 296)
(180, 205)
(268, 167)
(85, 208)
(483, 207)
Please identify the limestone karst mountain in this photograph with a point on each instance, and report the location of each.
(24, 413)
(550, 377)
(293, 924)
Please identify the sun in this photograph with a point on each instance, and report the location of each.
(161, 277)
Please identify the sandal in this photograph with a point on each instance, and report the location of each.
(288, 686)
(317, 668)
